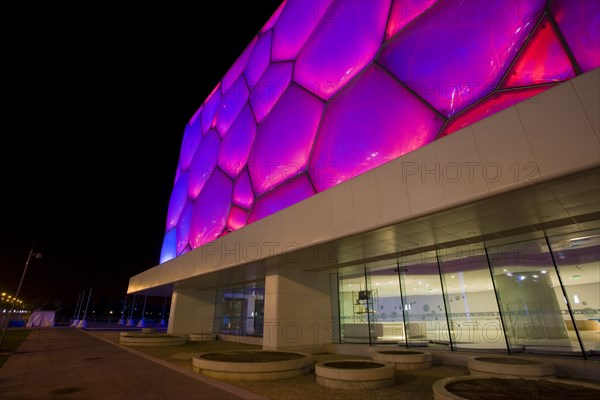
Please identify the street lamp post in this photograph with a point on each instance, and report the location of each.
(142, 323)
(122, 320)
(162, 320)
(83, 322)
(130, 320)
(12, 308)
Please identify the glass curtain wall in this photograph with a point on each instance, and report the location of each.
(424, 311)
(530, 297)
(470, 299)
(355, 306)
(240, 310)
(538, 296)
(577, 257)
(387, 302)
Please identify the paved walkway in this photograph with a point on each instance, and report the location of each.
(66, 363)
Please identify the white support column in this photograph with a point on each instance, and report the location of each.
(297, 311)
(192, 311)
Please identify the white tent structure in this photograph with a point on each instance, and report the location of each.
(41, 318)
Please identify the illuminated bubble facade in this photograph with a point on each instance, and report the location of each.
(328, 90)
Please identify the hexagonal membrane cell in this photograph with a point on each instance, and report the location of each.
(183, 227)
(259, 60)
(453, 62)
(243, 195)
(191, 139)
(203, 163)
(338, 50)
(494, 103)
(372, 121)
(404, 12)
(543, 60)
(177, 201)
(210, 108)
(169, 247)
(237, 218)
(579, 22)
(298, 20)
(236, 145)
(238, 66)
(269, 88)
(232, 103)
(284, 139)
(274, 18)
(211, 209)
(283, 196)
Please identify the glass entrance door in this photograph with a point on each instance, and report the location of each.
(356, 306)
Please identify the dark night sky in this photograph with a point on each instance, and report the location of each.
(93, 117)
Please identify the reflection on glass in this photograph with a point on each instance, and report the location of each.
(531, 300)
(355, 302)
(387, 302)
(423, 304)
(470, 299)
(516, 297)
(240, 311)
(577, 257)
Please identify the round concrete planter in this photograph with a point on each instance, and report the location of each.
(509, 366)
(202, 337)
(414, 343)
(404, 359)
(150, 339)
(440, 391)
(354, 374)
(272, 365)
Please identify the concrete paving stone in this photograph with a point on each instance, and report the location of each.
(54, 363)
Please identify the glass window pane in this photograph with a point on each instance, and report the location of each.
(353, 307)
(240, 310)
(578, 261)
(386, 303)
(470, 298)
(530, 298)
(424, 310)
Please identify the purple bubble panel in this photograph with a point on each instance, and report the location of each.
(236, 145)
(491, 105)
(203, 163)
(579, 22)
(372, 121)
(284, 139)
(211, 209)
(177, 201)
(542, 60)
(456, 53)
(281, 197)
(341, 46)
